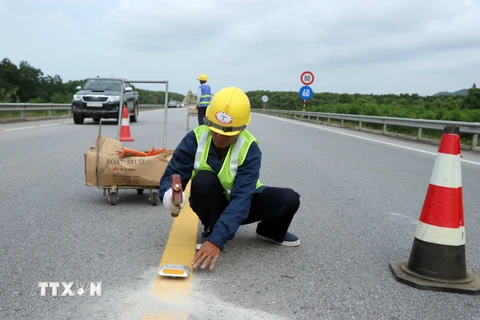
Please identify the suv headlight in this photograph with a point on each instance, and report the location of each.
(114, 98)
(77, 97)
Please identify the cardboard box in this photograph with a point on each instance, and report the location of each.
(105, 168)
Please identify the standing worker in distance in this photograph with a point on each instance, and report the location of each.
(223, 161)
(204, 95)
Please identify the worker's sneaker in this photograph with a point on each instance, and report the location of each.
(290, 239)
(206, 232)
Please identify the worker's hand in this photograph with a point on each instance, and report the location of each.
(208, 253)
(196, 107)
(168, 203)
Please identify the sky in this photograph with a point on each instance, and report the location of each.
(351, 46)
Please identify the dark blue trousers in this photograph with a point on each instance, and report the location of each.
(201, 115)
(274, 208)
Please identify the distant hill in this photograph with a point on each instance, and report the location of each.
(462, 92)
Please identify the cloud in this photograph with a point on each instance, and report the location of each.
(331, 30)
(351, 46)
(57, 17)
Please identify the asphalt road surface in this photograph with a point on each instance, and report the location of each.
(361, 196)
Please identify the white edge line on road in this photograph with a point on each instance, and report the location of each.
(358, 137)
(32, 127)
(50, 124)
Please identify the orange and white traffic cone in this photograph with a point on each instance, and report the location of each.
(437, 259)
(125, 128)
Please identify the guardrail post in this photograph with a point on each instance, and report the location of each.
(50, 112)
(384, 128)
(474, 141)
(360, 124)
(328, 120)
(308, 117)
(341, 123)
(419, 135)
(22, 115)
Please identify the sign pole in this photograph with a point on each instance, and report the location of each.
(264, 100)
(306, 92)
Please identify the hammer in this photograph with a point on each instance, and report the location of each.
(177, 196)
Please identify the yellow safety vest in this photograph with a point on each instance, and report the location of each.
(236, 155)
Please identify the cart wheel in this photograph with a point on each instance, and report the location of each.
(154, 197)
(140, 191)
(113, 198)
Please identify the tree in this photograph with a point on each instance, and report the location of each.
(51, 86)
(345, 98)
(29, 82)
(8, 95)
(472, 101)
(9, 81)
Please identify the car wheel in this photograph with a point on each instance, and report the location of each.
(78, 119)
(134, 117)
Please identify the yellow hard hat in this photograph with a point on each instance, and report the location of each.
(228, 112)
(202, 77)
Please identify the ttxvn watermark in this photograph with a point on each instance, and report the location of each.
(70, 289)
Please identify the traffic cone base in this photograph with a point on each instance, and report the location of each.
(470, 284)
(438, 261)
(125, 126)
(437, 258)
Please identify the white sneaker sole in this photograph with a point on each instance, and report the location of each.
(284, 243)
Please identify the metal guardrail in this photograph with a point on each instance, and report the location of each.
(22, 107)
(465, 127)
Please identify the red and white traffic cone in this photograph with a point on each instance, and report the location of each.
(437, 259)
(125, 128)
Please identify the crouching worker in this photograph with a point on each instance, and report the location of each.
(223, 161)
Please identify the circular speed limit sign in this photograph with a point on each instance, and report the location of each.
(307, 78)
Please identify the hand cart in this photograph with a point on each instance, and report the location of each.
(111, 192)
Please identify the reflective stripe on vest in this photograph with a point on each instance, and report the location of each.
(206, 95)
(235, 157)
(201, 146)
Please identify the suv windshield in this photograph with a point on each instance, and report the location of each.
(101, 84)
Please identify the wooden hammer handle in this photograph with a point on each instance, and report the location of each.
(177, 194)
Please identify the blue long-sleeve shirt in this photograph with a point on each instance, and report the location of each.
(199, 95)
(240, 196)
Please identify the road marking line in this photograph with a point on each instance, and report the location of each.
(21, 128)
(50, 124)
(180, 249)
(409, 219)
(363, 138)
(31, 127)
(167, 316)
